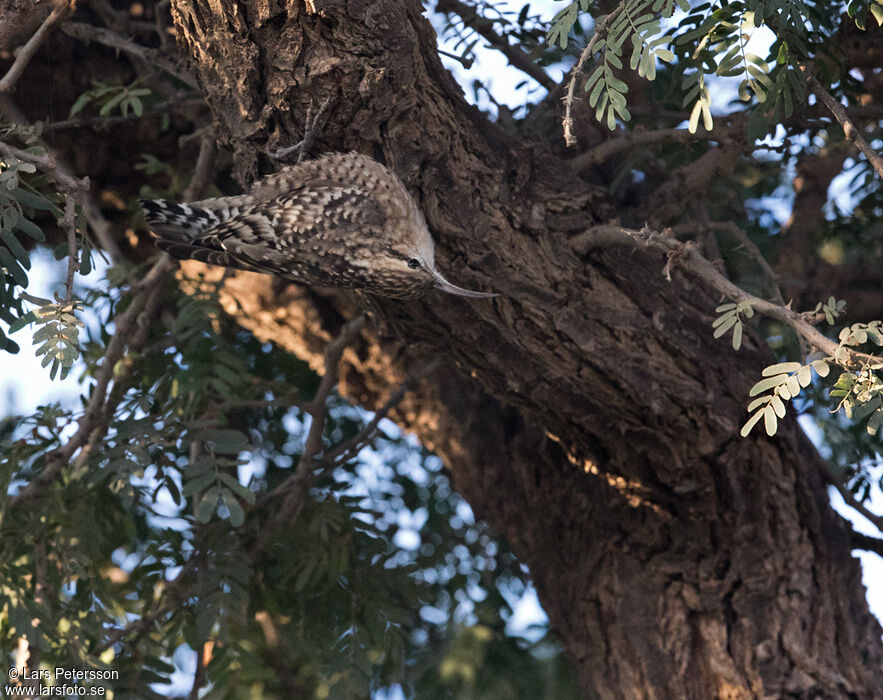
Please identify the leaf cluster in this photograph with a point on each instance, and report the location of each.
(108, 97)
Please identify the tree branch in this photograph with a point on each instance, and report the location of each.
(751, 248)
(639, 137)
(867, 543)
(26, 53)
(86, 32)
(689, 257)
(850, 500)
(852, 134)
(350, 448)
(99, 122)
(600, 31)
(516, 56)
(297, 485)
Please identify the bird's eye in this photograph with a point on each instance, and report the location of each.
(414, 264)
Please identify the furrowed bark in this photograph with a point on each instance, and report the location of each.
(586, 413)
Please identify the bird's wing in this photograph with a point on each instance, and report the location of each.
(286, 233)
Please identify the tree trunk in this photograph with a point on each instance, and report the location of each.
(586, 413)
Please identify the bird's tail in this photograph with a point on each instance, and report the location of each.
(176, 221)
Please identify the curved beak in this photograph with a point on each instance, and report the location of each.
(445, 286)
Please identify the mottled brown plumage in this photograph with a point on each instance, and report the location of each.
(341, 220)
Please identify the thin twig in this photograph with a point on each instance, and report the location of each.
(850, 500)
(45, 162)
(600, 31)
(852, 134)
(99, 122)
(26, 53)
(69, 223)
(349, 448)
(141, 626)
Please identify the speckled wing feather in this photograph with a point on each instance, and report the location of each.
(302, 235)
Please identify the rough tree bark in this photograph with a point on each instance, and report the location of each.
(587, 413)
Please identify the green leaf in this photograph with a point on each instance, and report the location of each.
(22, 321)
(804, 376)
(13, 268)
(81, 102)
(199, 483)
(198, 467)
(208, 504)
(29, 228)
(768, 383)
(737, 336)
(237, 515)
(864, 410)
(751, 423)
(15, 248)
(236, 486)
(694, 117)
(706, 117)
(111, 103)
(726, 322)
(769, 421)
(32, 200)
(45, 333)
(788, 367)
(759, 401)
(227, 441)
(778, 406)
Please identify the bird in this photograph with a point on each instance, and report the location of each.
(339, 220)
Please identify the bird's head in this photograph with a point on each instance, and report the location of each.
(409, 270)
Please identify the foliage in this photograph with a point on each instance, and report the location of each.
(58, 331)
(109, 97)
(152, 542)
(708, 39)
(731, 318)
